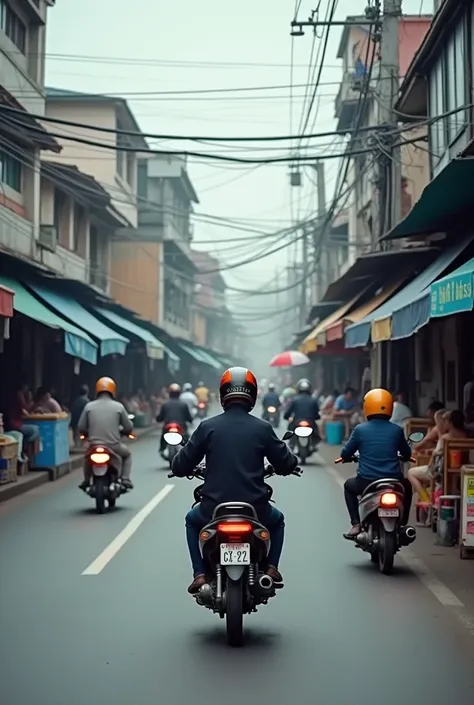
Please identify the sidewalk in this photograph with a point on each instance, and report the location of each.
(444, 563)
(36, 478)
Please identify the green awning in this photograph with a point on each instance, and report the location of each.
(76, 342)
(211, 359)
(447, 196)
(193, 351)
(154, 347)
(454, 293)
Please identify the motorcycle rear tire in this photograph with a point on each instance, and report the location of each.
(387, 550)
(234, 613)
(99, 493)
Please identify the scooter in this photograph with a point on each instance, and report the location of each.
(381, 508)
(302, 444)
(173, 436)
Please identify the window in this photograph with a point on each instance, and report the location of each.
(10, 171)
(13, 26)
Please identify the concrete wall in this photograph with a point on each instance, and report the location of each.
(95, 161)
(135, 278)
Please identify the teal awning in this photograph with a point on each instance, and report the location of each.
(211, 359)
(194, 352)
(447, 196)
(454, 293)
(111, 342)
(154, 348)
(76, 342)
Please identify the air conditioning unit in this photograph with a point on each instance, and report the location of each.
(48, 237)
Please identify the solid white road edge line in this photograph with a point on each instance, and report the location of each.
(437, 588)
(98, 565)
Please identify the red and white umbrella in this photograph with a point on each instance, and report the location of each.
(289, 358)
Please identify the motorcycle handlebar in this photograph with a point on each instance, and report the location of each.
(356, 460)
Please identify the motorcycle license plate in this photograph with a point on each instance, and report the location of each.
(235, 554)
(99, 470)
(389, 513)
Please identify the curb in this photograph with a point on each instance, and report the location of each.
(36, 478)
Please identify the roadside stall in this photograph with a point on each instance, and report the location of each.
(54, 435)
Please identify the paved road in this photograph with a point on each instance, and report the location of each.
(338, 634)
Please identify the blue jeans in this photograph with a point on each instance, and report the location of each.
(272, 518)
(29, 432)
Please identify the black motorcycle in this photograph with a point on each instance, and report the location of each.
(381, 508)
(234, 546)
(303, 444)
(272, 415)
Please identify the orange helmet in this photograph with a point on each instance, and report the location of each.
(378, 402)
(106, 384)
(238, 384)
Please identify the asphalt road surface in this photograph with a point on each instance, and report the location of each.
(127, 633)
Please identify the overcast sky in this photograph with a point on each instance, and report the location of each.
(147, 46)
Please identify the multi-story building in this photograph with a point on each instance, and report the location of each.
(354, 48)
(22, 60)
(152, 267)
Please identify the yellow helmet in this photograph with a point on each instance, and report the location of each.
(378, 402)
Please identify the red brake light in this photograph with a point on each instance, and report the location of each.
(388, 499)
(303, 423)
(201, 405)
(234, 528)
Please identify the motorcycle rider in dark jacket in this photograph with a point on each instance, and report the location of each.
(303, 407)
(235, 445)
(271, 398)
(174, 410)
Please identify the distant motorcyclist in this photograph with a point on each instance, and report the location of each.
(189, 398)
(379, 442)
(202, 393)
(174, 410)
(303, 407)
(271, 398)
(235, 445)
(104, 421)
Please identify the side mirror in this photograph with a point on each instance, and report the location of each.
(416, 436)
(287, 436)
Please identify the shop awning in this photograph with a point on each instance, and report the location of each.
(336, 330)
(76, 342)
(212, 360)
(111, 342)
(154, 348)
(196, 354)
(310, 343)
(453, 293)
(448, 195)
(400, 309)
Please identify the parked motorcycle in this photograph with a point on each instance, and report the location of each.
(302, 443)
(234, 546)
(273, 416)
(105, 486)
(173, 436)
(202, 410)
(381, 508)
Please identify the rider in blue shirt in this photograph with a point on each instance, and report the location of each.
(381, 445)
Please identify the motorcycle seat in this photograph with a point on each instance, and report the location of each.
(242, 509)
(385, 483)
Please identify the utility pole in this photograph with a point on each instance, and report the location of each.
(387, 204)
(320, 281)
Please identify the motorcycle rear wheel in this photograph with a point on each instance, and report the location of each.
(387, 550)
(234, 613)
(99, 493)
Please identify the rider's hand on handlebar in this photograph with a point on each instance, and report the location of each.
(338, 461)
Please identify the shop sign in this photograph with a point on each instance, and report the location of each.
(467, 509)
(454, 295)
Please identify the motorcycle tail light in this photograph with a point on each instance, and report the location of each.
(271, 409)
(303, 423)
(99, 457)
(388, 499)
(201, 405)
(234, 527)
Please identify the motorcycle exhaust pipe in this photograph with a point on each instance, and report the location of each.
(408, 535)
(265, 582)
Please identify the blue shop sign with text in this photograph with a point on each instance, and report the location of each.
(453, 295)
